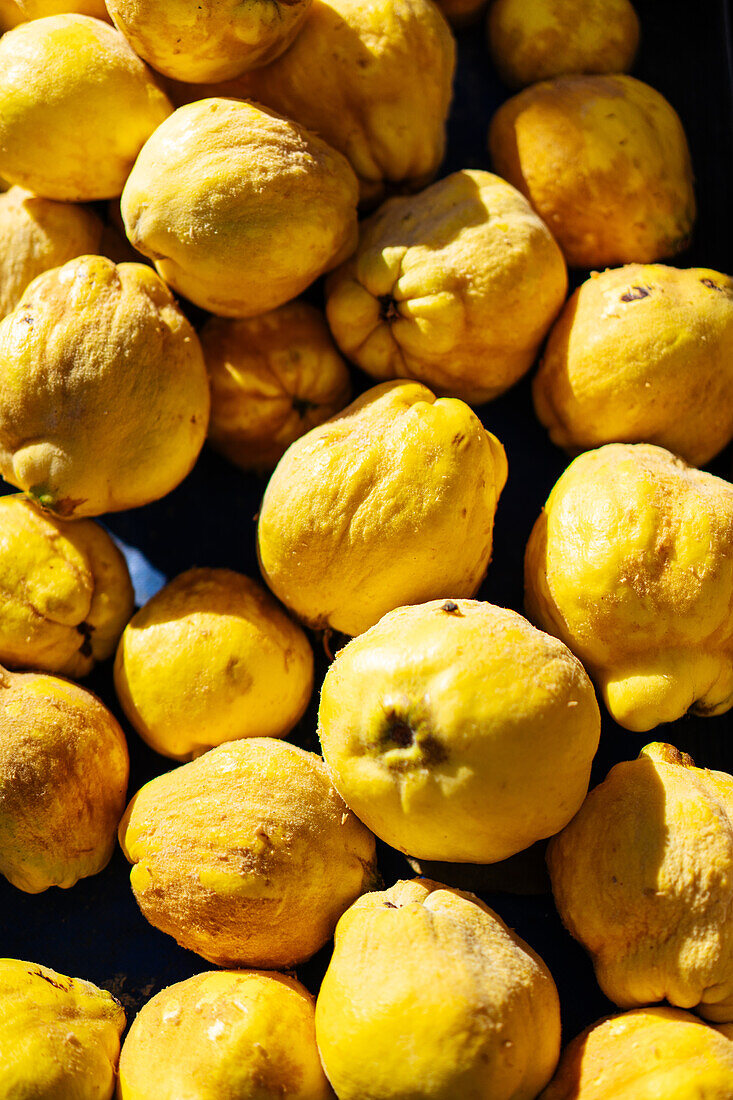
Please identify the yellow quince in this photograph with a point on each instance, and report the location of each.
(390, 503)
(630, 565)
(430, 996)
(455, 287)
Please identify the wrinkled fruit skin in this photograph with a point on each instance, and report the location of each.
(63, 779)
(66, 590)
(373, 78)
(429, 996)
(104, 400)
(62, 133)
(273, 378)
(645, 1055)
(392, 502)
(533, 40)
(210, 658)
(629, 564)
(39, 234)
(243, 1035)
(212, 41)
(643, 878)
(604, 161)
(247, 855)
(239, 208)
(59, 1036)
(642, 353)
(429, 726)
(455, 287)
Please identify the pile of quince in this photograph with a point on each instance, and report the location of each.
(177, 176)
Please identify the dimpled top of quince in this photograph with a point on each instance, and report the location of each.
(630, 564)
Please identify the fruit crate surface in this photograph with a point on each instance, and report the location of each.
(95, 930)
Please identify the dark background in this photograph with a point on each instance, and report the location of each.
(95, 930)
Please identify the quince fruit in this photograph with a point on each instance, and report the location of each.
(533, 40)
(62, 132)
(273, 378)
(457, 731)
(643, 353)
(10, 15)
(210, 658)
(392, 502)
(66, 591)
(455, 287)
(239, 1035)
(649, 1054)
(38, 9)
(104, 400)
(246, 855)
(212, 41)
(38, 234)
(629, 564)
(59, 1036)
(240, 208)
(604, 161)
(643, 878)
(373, 78)
(63, 779)
(429, 996)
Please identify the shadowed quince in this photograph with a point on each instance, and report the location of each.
(373, 78)
(247, 855)
(38, 9)
(104, 400)
(212, 41)
(273, 378)
(604, 161)
(66, 591)
(643, 878)
(649, 1054)
(455, 287)
(63, 779)
(457, 731)
(643, 353)
(38, 234)
(63, 80)
(239, 1035)
(429, 996)
(240, 208)
(59, 1036)
(392, 502)
(210, 658)
(10, 15)
(532, 40)
(630, 565)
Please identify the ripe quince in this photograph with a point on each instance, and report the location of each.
(59, 1036)
(642, 353)
(273, 378)
(643, 878)
(63, 780)
(38, 234)
(239, 1035)
(38, 9)
(210, 658)
(391, 502)
(604, 161)
(66, 591)
(212, 41)
(629, 564)
(240, 208)
(532, 40)
(104, 400)
(455, 287)
(246, 855)
(62, 132)
(457, 731)
(649, 1054)
(373, 78)
(430, 996)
